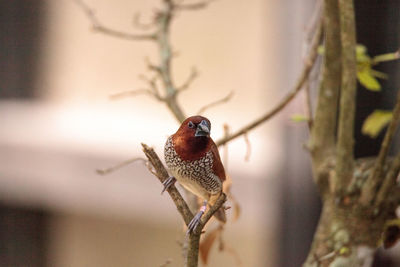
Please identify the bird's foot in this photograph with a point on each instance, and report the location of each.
(168, 182)
(196, 219)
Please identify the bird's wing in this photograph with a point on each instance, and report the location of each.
(218, 168)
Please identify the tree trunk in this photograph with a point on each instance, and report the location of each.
(345, 236)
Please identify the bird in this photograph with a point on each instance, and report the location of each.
(193, 159)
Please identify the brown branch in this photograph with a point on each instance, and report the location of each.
(98, 27)
(193, 6)
(308, 64)
(345, 144)
(216, 103)
(389, 183)
(183, 208)
(323, 131)
(376, 177)
(248, 145)
(162, 175)
(132, 93)
(193, 75)
(119, 165)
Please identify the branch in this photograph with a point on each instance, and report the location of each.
(216, 103)
(194, 6)
(376, 178)
(308, 64)
(119, 165)
(135, 93)
(97, 26)
(193, 75)
(345, 144)
(389, 183)
(162, 175)
(324, 124)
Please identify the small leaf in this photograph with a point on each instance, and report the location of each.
(361, 54)
(298, 118)
(375, 122)
(367, 80)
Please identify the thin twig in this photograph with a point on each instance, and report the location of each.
(308, 64)
(308, 105)
(194, 6)
(389, 183)
(97, 26)
(375, 179)
(119, 165)
(345, 144)
(248, 145)
(133, 93)
(193, 75)
(216, 103)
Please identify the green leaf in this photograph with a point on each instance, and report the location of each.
(375, 122)
(299, 118)
(361, 54)
(367, 80)
(386, 57)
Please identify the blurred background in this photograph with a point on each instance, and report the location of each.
(58, 125)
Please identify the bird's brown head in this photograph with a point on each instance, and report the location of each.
(193, 136)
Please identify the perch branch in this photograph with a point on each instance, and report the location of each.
(98, 27)
(345, 144)
(308, 64)
(215, 103)
(162, 175)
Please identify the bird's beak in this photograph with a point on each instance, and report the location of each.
(203, 129)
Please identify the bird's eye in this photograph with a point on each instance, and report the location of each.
(191, 124)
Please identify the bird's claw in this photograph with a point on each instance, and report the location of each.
(194, 222)
(168, 182)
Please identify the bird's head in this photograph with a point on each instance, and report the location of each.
(195, 126)
(193, 136)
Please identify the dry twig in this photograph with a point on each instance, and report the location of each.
(119, 165)
(215, 103)
(308, 64)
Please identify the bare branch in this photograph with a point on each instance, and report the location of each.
(308, 64)
(323, 132)
(193, 75)
(376, 177)
(216, 103)
(98, 27)
(194, 6)
(119, 165)
(248, 145)
(345, 144)
(162, 175)
(134, 93)
(389, 183)
(308, 105)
